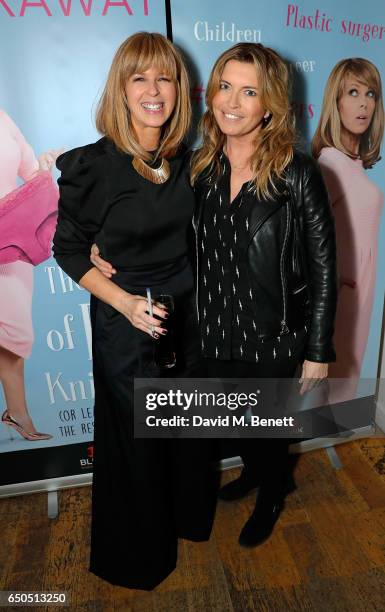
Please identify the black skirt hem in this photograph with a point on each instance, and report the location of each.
(121, 581)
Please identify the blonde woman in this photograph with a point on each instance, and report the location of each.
(346, 143)
(130, 192)
(266, 254)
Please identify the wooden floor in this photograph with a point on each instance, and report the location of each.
(327, 552)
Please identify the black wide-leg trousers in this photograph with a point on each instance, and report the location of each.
(146, 492)
(264, 459)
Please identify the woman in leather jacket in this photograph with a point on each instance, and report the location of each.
(266, 255)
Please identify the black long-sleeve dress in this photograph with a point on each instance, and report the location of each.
(146, 492)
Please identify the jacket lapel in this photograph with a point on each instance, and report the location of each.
(262, 210)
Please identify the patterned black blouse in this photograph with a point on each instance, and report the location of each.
(226, 301)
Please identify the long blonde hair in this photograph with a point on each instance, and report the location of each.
(274, 145)
(328, 132)
(136, 55)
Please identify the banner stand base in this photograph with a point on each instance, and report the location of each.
(52, 485)
(334, 458)
(53, 504)
(312, 444)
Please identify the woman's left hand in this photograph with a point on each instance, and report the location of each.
(48, 158)
(312, 374)
(101, 264)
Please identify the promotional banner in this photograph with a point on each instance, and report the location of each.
(313, 38)
(55, 59)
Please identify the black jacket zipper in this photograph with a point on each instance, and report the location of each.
(284, 327)
(197, 266)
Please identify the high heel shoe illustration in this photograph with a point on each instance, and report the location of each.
(13, 424)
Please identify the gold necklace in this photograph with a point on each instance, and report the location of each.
(155, 175)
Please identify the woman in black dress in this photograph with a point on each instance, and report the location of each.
(130, 192)
(266, 254)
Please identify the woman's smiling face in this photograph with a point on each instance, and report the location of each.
(151, 98)
(237, 105)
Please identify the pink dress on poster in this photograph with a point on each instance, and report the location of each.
(17, 159)
(357, 204)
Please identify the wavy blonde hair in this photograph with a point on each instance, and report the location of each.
(274, 144)
(328, 132)
(137, 54)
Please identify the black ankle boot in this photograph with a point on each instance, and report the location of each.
(238, 488)
(260, 525)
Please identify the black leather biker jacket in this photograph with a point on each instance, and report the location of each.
(291, 258)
